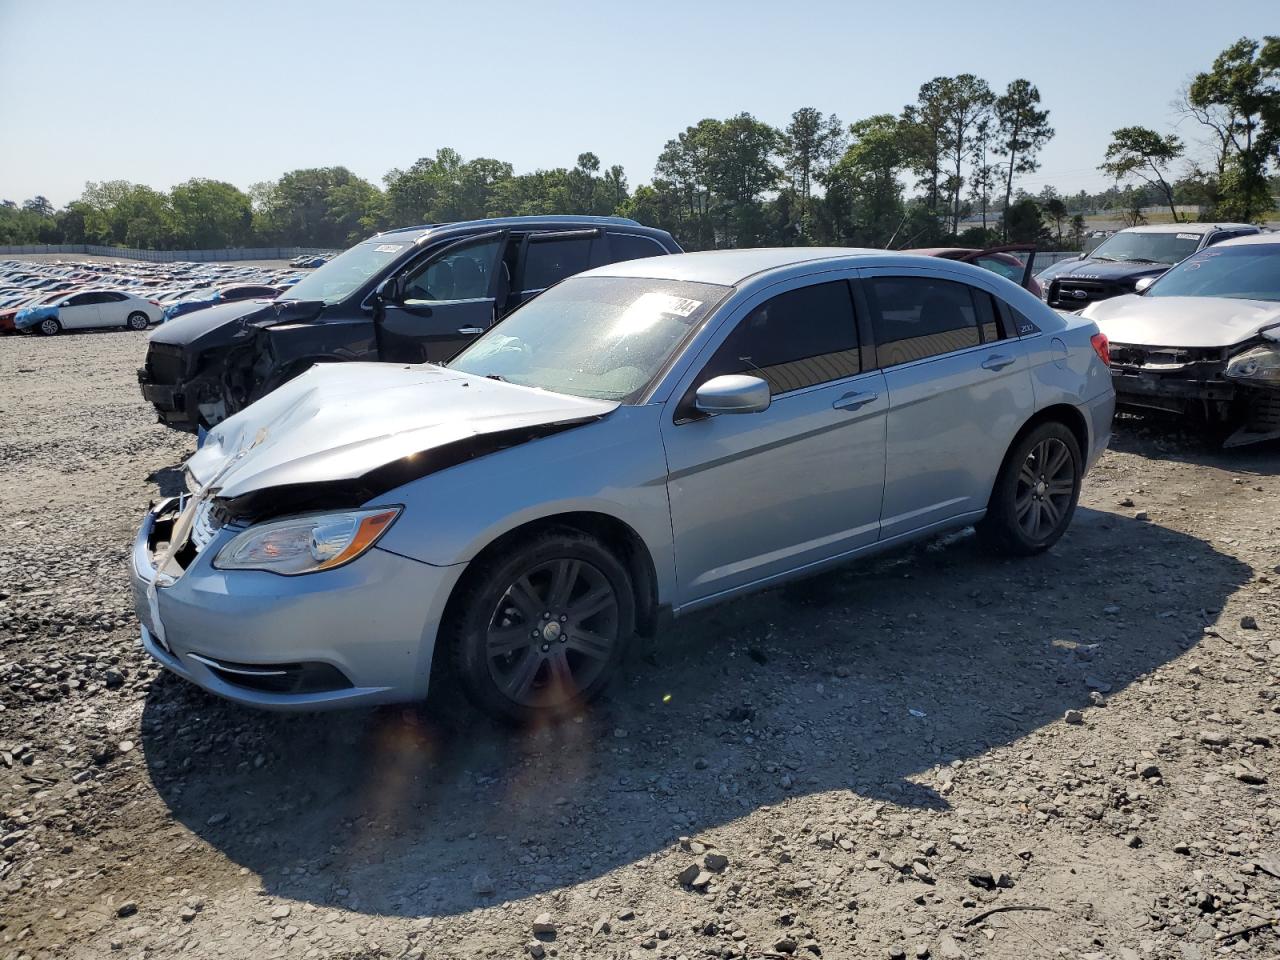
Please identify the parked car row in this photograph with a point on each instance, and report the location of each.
(35, 295)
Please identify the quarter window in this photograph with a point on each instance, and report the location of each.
(795, 340)
(920, 317)
(547, 262)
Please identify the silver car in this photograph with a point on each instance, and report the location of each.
(640, 441)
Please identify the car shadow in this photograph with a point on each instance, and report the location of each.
(863, 683)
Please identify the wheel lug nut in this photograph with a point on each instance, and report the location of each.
(546, 647)
(546, 615)
(534, 633)
(564, 618)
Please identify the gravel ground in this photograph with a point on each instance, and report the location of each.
(869, 764)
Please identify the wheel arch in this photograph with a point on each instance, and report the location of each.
(613, 533)
(1064, 413)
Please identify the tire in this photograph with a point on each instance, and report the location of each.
(49, 326)
(1035, 493)
(540, 629)
(138, 320)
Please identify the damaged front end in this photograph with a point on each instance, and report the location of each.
(202, 368)
(1234, 390)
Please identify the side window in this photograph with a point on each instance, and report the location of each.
(795, 340)
(461, 274)
(82, 300)
(920, 317)
(628, 246)
(114, 297)
(547, 262)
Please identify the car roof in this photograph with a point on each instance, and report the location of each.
(1188, 227)
(500, 223)
(1263, 238)
(731, 267)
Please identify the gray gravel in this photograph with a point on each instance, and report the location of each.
(933, 755)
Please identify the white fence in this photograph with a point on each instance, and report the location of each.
(166, 256)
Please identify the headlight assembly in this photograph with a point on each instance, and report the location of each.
(306, 544)
(1259, 365)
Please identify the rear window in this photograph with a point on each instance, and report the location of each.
(547, 262)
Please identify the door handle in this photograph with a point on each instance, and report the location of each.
(470, 331)
(852, 401)
(997, 362)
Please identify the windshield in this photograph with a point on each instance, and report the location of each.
(600, 337)
(347, 272)
(1147, 247)
(1247, 272)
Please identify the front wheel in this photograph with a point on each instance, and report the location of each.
(541, 628)
(49, 326)
(1035, 493)
(138, 320)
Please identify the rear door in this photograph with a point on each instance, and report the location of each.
(114, 309)
(79, 312)
(548, 257)
(959, 389)
(445, 301)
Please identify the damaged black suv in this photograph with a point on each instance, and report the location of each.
(404, 296)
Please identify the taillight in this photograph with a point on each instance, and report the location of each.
(1101, 347)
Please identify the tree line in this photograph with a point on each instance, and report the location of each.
(944, 169)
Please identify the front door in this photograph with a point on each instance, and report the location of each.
(444, 303)
(959, 390)
(756, 495)
(79, 312)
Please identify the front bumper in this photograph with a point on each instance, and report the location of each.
(361, 634)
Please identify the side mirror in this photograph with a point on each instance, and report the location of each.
(734, 393)
(389, 290)
(1143, 283)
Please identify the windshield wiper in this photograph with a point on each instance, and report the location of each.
(1108, 259)
(494, 376)
(1141, 260)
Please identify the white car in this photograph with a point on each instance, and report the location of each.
(1203, 340)
(90, 308)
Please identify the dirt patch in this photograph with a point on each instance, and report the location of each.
(862, 765)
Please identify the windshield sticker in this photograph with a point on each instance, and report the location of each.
(388, 248)
(1188, 236)
(666, 303)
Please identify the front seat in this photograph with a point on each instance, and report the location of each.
(468, 280)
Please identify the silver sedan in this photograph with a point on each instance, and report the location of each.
(640, 441)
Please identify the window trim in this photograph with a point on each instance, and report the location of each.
(610, 234)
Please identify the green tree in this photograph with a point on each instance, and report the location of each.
(866, 181)
(1022, 130)
(809, 146)
(1239, 97)
(1024, 222)
(1145, 154)
(210, 214)
(313, 207)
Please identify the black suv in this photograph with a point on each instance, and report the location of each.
(404, 296)
(1117, 264)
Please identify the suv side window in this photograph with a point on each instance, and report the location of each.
(547, 262)
(795, 340)
(462, 274)
(629, 246)
(920, 317)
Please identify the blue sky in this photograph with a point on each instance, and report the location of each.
(157, 92)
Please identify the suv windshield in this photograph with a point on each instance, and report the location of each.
(1147, 247)
(600, 337)
(346, 272)
(1247, 272)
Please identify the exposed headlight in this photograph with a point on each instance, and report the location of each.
(1259, 365)
(306, 544)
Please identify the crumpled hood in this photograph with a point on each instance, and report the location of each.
(340, 421)
(225, 322)
(1181, 321)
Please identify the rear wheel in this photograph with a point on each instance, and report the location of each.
(1036, 492)
(49, 326)
(540, 629)
(138, 320)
